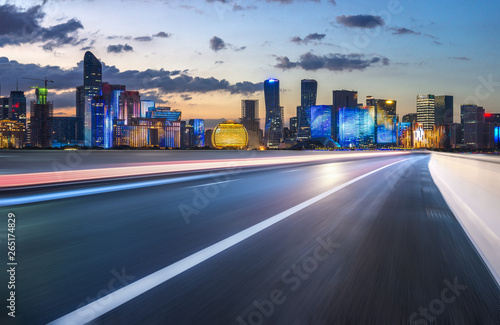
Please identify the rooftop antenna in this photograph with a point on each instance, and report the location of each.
(17, 84)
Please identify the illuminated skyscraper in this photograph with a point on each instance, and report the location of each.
(274, 124)
(425, 111)
(386, 122)
(321, 121)
(4, 108)
(92, 80)
(341, 98)
(99, 111)
(130, 105)
(41, 119)
(198, 131)
(308, 91)
(434, 110)
(17, 106)
(356, 126)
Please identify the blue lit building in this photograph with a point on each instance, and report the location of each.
(146, 105)
(274, 123)
(92, 81)
(308, 91)
(386, 120)
(164, 112)
(404, 134)
(356, 126)
(99, 111)
(199, 131)
(321, 121)
(497, 135)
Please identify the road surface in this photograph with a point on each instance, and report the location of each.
(356, 241)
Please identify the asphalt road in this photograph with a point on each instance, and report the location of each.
(384, 249)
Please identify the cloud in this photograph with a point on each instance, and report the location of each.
(20, 26)
(219, 62)
(403, 31)
(119, 48)
(459, 58)
(217, 44)
(186, 97)
(332, 62)
(162, 35)
(143, 38)
(152, 82)
(360, 21)
(308, 38)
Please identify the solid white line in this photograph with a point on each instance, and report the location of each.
(208, 184)
(115, 299)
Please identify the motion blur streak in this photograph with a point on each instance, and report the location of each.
(29, 179)
(137, 288)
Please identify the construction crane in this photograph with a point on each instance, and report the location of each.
(44, 80)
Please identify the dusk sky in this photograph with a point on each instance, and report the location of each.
(203, 57)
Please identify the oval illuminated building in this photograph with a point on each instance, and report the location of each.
(230, 135)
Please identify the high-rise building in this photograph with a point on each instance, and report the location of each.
(17, 106)
(341, 98)
(443, 111)
(426, 110)
(80, 113)
(293, 127)
(386, 122)
(130, 105)
(92, 81)
(63, 129)
(410, 118)
(4, 108)
(250, 114)
(274, 123)
(41, 119)
(111, 108)
(99, 112)
(198, 131)
(321, 121)
(356, 126)
(472, 120)
(434, 110)
(187, 135)
(308, 93)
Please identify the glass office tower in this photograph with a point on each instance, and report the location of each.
(274, 124)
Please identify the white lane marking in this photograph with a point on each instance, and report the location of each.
(208, 184)
(117, 298)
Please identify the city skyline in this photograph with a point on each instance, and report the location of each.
(208, 71)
